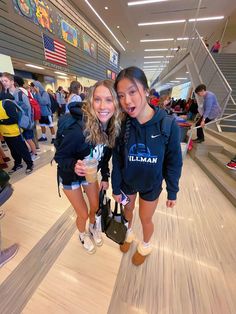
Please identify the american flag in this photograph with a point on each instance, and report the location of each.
(54, 51)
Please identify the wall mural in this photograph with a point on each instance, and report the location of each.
(40, 13)
(90, 46)
(69, 33)
(37, 11)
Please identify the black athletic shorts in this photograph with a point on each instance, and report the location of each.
(149, 195)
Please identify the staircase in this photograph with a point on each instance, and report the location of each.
(212, 155)
(227, 64)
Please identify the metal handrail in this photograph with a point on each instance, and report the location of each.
(206, 125)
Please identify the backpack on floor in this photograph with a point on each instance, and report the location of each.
(35, 107)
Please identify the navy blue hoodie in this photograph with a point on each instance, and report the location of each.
(149, 158)
(74, 147)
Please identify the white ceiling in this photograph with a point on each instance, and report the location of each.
(130, 34)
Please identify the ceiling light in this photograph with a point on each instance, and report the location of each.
(183, 38)
(158, 49)
(187, 72)
(154, 57)
(149, 66)
(181, 78)
(34, 66)
(61, 73)
(162, 22)
(127, 41)
(174, 81)
(117, 26)
(169, 56)
(207, 18)
(106, 8)
(144, 2)
(99, 17)
(158, 39)
(63, 77)
(152, 62)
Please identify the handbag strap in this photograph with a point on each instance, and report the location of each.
(115, 212)
(102, 194)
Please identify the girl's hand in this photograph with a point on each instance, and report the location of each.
(104, 185)
(117, 198)
(170, 203)
(80, 169)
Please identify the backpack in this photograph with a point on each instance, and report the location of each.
(54, 103)
(35, 107)
(24, 121)
(65, 123)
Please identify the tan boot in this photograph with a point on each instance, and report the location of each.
(128, 241)
(141, 254)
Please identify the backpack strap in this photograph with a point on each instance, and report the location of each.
(20, 94)
(166, 124)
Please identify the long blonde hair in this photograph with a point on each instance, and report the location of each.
(94, 132)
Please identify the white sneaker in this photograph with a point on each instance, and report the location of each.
(97, 235)
(87, 243)
(34, 157)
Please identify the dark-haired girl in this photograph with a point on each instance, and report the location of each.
(147, 152)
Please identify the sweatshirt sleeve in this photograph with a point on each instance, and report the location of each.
(105, 171)
(72, 146)
(116, 177)
(173, 163)
(11, 111)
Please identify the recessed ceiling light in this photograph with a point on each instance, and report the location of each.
(144, 2)
(183, 38)
(212, 18)
(127, 42)
(117, 26)
(162, 22)
(63, 77)
(34, 66)
(61, 73)
(158, 39)
(152, 62)
(174, 81)
(187, 72)
(158, 49)
(99, 17)
(154, 57)
(169, 56)
(106, 8)
(181, 78)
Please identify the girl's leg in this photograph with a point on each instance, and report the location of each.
(92, 191)
(146, 211)
(77, 201)
(129, 208)
(144, 248)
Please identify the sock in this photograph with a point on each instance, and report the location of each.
(129, 231)
(43, 135)
(91, 226)
(82, 235)
(146, 244)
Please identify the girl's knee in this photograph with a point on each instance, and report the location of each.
(83, 216)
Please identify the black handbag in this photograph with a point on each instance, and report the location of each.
(116, 228)
(104, 212)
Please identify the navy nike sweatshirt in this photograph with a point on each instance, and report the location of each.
(149, 158)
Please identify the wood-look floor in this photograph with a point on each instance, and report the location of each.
(192, 269)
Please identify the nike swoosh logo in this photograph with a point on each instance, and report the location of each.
(154, 136)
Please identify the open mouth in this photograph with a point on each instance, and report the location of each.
(130, 109)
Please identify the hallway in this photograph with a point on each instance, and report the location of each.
(191, 270)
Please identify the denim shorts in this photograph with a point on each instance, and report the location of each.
(73, 186)
(149, 195)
